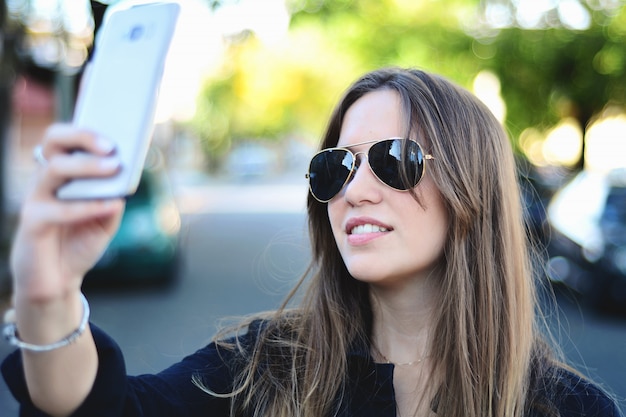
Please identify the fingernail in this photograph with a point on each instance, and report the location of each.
(10, 316)
(105, 145)
(106, 203)
(110, 163)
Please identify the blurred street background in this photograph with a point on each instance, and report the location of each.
(217, 226)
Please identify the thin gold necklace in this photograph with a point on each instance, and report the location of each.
(386, 359)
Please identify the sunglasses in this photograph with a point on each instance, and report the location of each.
(396, 162)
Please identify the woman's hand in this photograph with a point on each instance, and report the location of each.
(58, 241)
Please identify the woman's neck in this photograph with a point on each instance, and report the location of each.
(403, 319)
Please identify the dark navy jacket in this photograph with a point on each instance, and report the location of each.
(172, 392)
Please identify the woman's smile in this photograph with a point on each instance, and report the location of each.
(362, 230)
(367, 228)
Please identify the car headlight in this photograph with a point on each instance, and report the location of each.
(168, 218)
(140, 225)
(593, 249)
(618, 259)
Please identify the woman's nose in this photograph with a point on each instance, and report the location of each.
(363, 186)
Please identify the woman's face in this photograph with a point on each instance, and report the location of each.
(408, 238)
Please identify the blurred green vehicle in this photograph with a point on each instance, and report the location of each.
(146, 246)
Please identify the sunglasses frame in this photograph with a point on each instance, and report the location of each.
(366, 153)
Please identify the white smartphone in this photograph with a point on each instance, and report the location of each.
(117, 98)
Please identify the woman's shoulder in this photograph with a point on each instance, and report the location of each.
(574, 395)
(248, 334)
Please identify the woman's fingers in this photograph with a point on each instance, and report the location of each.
(57, 213)
(67, 153)
(65, 138)
(62, 168)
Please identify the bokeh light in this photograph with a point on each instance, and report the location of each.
(487, 89)
(563, 143)
(606, 144)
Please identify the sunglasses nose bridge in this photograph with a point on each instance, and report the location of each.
(357, 163)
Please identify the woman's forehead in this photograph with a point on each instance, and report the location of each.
(376, 115)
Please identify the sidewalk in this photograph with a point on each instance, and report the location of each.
(202, 194)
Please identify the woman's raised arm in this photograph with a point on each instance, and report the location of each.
(56, 243)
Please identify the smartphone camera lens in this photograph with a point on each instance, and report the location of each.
(136, 33)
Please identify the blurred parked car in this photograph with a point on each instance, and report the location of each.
(145, 249)
(588, 244)
(536, 193)
(250, 161)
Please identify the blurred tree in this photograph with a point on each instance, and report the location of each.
(11, 36)
(43, 44)
(288, 87)
(554, 59)
(551, 71)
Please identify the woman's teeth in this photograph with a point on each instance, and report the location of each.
(367, 228)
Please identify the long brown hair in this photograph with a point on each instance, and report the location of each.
(485, 338)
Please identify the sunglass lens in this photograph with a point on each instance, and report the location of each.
(328, 172)
(397, 162)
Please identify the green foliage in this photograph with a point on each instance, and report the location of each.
(550, 74)
(268, 93)
(289, 87)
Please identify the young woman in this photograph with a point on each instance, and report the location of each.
(420, 299)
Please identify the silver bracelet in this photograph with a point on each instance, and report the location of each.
(11, 334)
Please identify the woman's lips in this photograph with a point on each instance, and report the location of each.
(363, 230)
